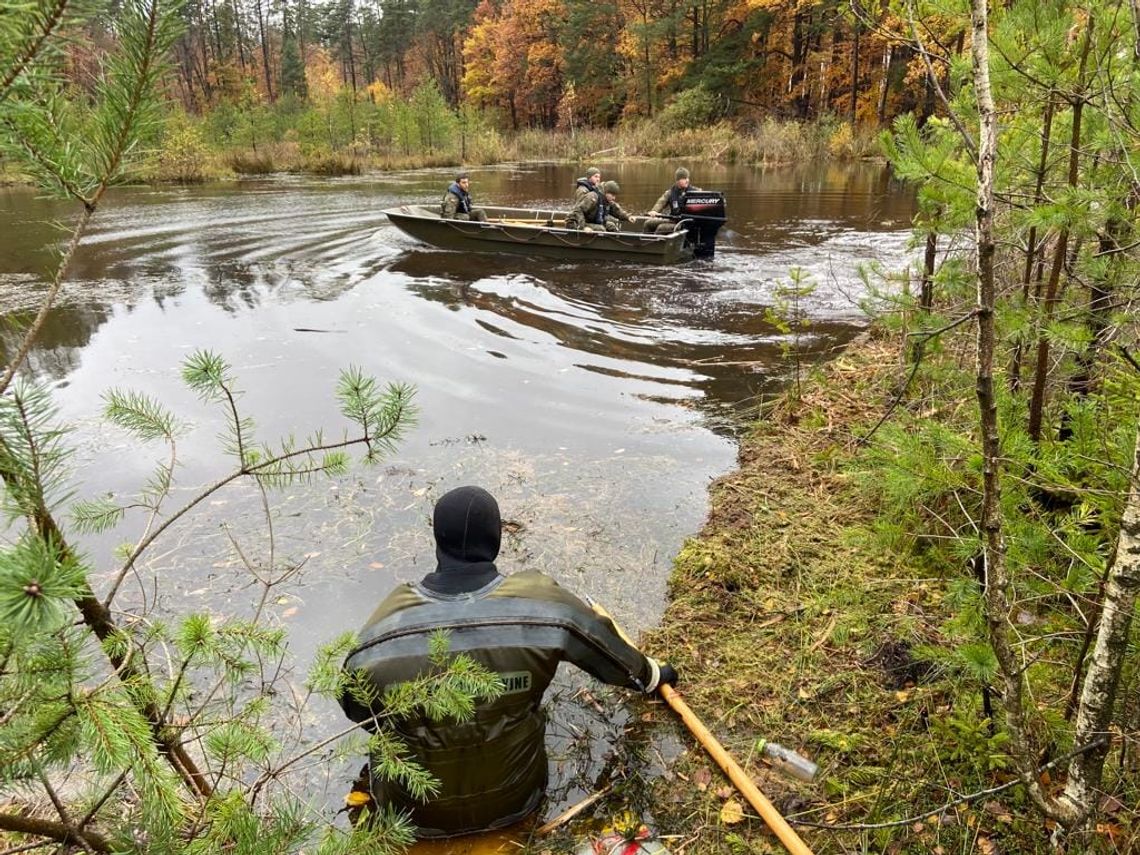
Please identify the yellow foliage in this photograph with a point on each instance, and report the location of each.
(840, 143)
(322, 76)
(379, 93)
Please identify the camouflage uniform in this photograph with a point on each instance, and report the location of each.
(456, 205)
(595, 213)
(668, 203)
(583, 186)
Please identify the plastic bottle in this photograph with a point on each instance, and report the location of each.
(788, 761)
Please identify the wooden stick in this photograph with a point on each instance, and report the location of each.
(747, 787)
(571, 812)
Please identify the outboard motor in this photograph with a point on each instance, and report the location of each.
(702, 214)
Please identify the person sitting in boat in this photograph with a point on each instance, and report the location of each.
(598, 211)
(492, 767)
(588, 183)
(670, 203)
(456, 204)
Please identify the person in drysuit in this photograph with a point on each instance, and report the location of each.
(492, 768)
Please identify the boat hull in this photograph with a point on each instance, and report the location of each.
(524, 231)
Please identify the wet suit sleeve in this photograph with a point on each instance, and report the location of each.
(591, 640)
(401, 598)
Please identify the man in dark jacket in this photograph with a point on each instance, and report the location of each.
(598, 211)
(492, 768)
(669, 203)
(589, 183)
(456, 204)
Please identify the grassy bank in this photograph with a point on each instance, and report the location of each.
(792, 620)
(193, 150)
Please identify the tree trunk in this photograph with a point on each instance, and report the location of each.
(1041, 374)
(1098, 696)
(855, 75)
(884, 89)
(238, 34)
(996, 595)
(264, 52)
(1031, 249)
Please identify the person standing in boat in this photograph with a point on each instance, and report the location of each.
(589, 183)
(670, 204)
(456, 204)
(492, 767)
(598, 211)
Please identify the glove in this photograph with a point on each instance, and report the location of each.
(668, 675)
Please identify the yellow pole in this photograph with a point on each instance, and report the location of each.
(757, 799)
(786, 834)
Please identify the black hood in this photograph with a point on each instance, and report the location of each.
(467, 531)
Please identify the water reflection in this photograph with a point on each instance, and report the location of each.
(581, 395)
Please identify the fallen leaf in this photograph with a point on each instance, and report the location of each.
(732, 812)
(987, 846)
(702, 778)
(903, 696)
(998, 810)
(724, 793)
(1112, 830)
(1111, 805)
(289, 612)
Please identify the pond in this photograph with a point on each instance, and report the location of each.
(595, 401)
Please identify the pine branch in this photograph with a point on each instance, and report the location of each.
(255, 470)
(49, 300)
(64, 817)
(52, 21)
(54, 831)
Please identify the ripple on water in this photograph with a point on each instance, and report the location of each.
(596, 400)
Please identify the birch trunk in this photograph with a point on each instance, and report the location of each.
(1098, 696)
(997, 582)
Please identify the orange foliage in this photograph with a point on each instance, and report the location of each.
(513, 60)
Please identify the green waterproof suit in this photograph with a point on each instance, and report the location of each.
(493, 768)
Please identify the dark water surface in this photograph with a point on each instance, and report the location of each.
(595, 401)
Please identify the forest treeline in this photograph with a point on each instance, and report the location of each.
(440, 80)
(551, 63)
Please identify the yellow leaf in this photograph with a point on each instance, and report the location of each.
(903, 696)
(357, 798)
(732, 812)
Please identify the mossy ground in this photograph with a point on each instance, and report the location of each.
(790, 621)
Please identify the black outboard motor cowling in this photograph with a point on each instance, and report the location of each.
(702, 214)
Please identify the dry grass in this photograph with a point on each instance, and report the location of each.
(789, 622)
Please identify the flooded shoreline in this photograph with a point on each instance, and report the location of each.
(595, 402)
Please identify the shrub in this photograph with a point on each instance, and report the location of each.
(183, 156)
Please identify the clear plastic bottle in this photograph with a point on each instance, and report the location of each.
(788, 761)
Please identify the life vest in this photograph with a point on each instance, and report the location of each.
(585, 184)
(676, 200)
(603, 209)
(463, 195)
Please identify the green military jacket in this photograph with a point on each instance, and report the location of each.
(585, 212)
(493, 767)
